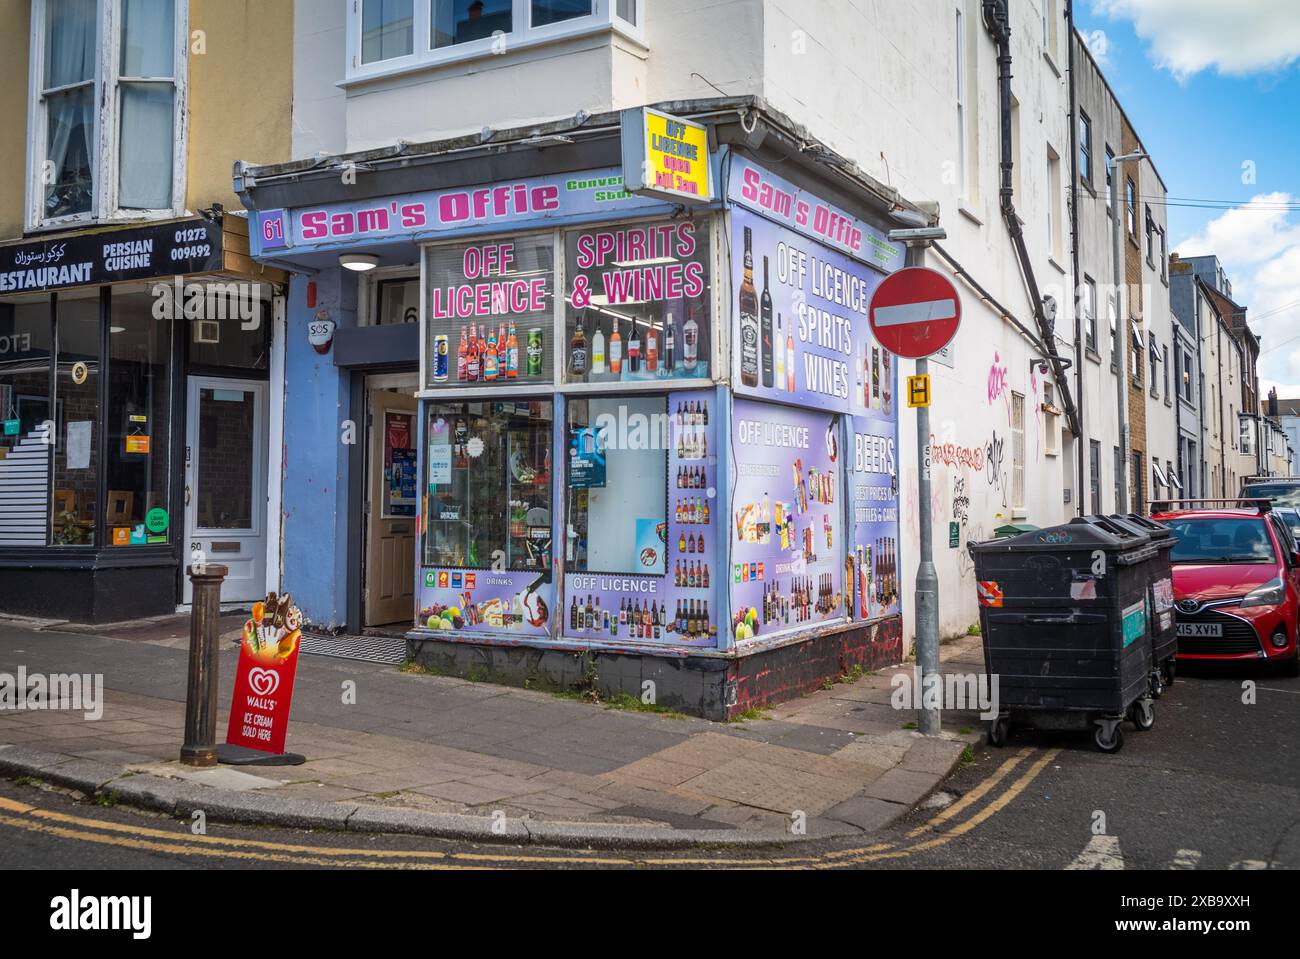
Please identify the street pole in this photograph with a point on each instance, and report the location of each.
(1121, 342)
(200, 747)
(927, 580)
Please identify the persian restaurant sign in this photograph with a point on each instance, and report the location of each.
(85, 259)
(421, 216)
(778, 199)
(666, 156)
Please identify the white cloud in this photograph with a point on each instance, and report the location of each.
(1252, 233)
(1236, 39)
(1259, 246)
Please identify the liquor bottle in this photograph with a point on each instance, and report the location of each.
(681, 542)
(886, 385)
(490, 361)
(462, 358)
(706, 576)
(590, 617)
(473, 362)
(690, 341)
(573, 614)
(512, 353)
(578, 350)
(651, 351)
(780, 354)
(765, 326)
(670, 346)
(875, 377)
(598, 351)
(749, 322)
(615, 352)
(789, 359)
(634, 350)
(705, 408)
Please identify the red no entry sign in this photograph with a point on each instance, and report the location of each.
(915, 312)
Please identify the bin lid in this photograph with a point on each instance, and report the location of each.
(1161, 535)
(1090, 532)
(1015, 529)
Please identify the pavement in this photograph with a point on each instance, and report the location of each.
(390, 751)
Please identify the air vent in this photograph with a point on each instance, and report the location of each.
(207, 331)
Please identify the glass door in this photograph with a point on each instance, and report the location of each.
(225, 482)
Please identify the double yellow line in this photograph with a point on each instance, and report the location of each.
(140, 838)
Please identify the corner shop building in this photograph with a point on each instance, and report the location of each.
(666, 451)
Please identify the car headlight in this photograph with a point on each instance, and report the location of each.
(1272, 593)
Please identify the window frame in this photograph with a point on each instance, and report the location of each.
(106, 136)
(1089, 304)
(603, 19)
(1085, 149)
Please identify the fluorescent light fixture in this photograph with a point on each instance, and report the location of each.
(358, 262)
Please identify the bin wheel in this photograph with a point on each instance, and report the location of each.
(1143, 715)
(1157, 683)
(999, 730)
(1107, 736)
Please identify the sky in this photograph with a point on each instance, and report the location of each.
(1213, 89)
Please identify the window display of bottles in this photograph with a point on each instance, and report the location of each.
(485, 355)
(641, 619)
(803, 599)
(692, 420)
(606, 348)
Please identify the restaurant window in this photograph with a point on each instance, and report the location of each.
(618, 483)
(138, 417)
(25, 414)
(489, 312)
(73, 512)
(109, 141)
(638, 303)
(488, 471)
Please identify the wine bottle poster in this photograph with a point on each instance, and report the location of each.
(786, 527)
(799, 316)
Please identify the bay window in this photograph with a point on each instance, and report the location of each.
(106, 110)
(387, 36)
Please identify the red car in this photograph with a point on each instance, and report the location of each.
(1236, 583)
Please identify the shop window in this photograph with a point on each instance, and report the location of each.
(26, 418)
(108, 146)
(618, 482)
(138, 417)
(73, 511)
(489, 313)
(489, 479)
(638, 303)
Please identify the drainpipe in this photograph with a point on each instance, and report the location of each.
(1081, 439)
(997, 23)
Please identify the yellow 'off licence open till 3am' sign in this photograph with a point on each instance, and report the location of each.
(666, 156)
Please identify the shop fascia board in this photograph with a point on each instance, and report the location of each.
(492, 155)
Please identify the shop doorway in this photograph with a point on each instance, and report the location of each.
(225, 482)
(388, 574)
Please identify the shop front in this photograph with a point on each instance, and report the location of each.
(656, 444)
(133, 399)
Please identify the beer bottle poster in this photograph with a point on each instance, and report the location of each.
(799, 314)
(786, 527)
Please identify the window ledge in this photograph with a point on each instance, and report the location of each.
(970, 214)
(1092, 355)
(1052, 260)
(1051, 62)
(479, 51)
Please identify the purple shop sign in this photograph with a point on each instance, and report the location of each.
(800, 322)
(675, 605)
(787, 522)
(780, 200)
(420, 216)
(514, 602)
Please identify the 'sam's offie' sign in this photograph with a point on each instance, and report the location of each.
(666, 156)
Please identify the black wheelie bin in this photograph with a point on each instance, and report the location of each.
(1160, 580)
(1066, 627)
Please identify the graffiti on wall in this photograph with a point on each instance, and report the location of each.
(995, 475)
(999, 384)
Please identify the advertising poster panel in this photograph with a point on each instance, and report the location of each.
(639, 556)
(787, 523)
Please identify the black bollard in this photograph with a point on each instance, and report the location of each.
(200, 748)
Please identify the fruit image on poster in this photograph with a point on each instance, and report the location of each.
(515, 602)
(268, 663)
(786, 526)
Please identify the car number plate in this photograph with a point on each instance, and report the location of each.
(1193, 630)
